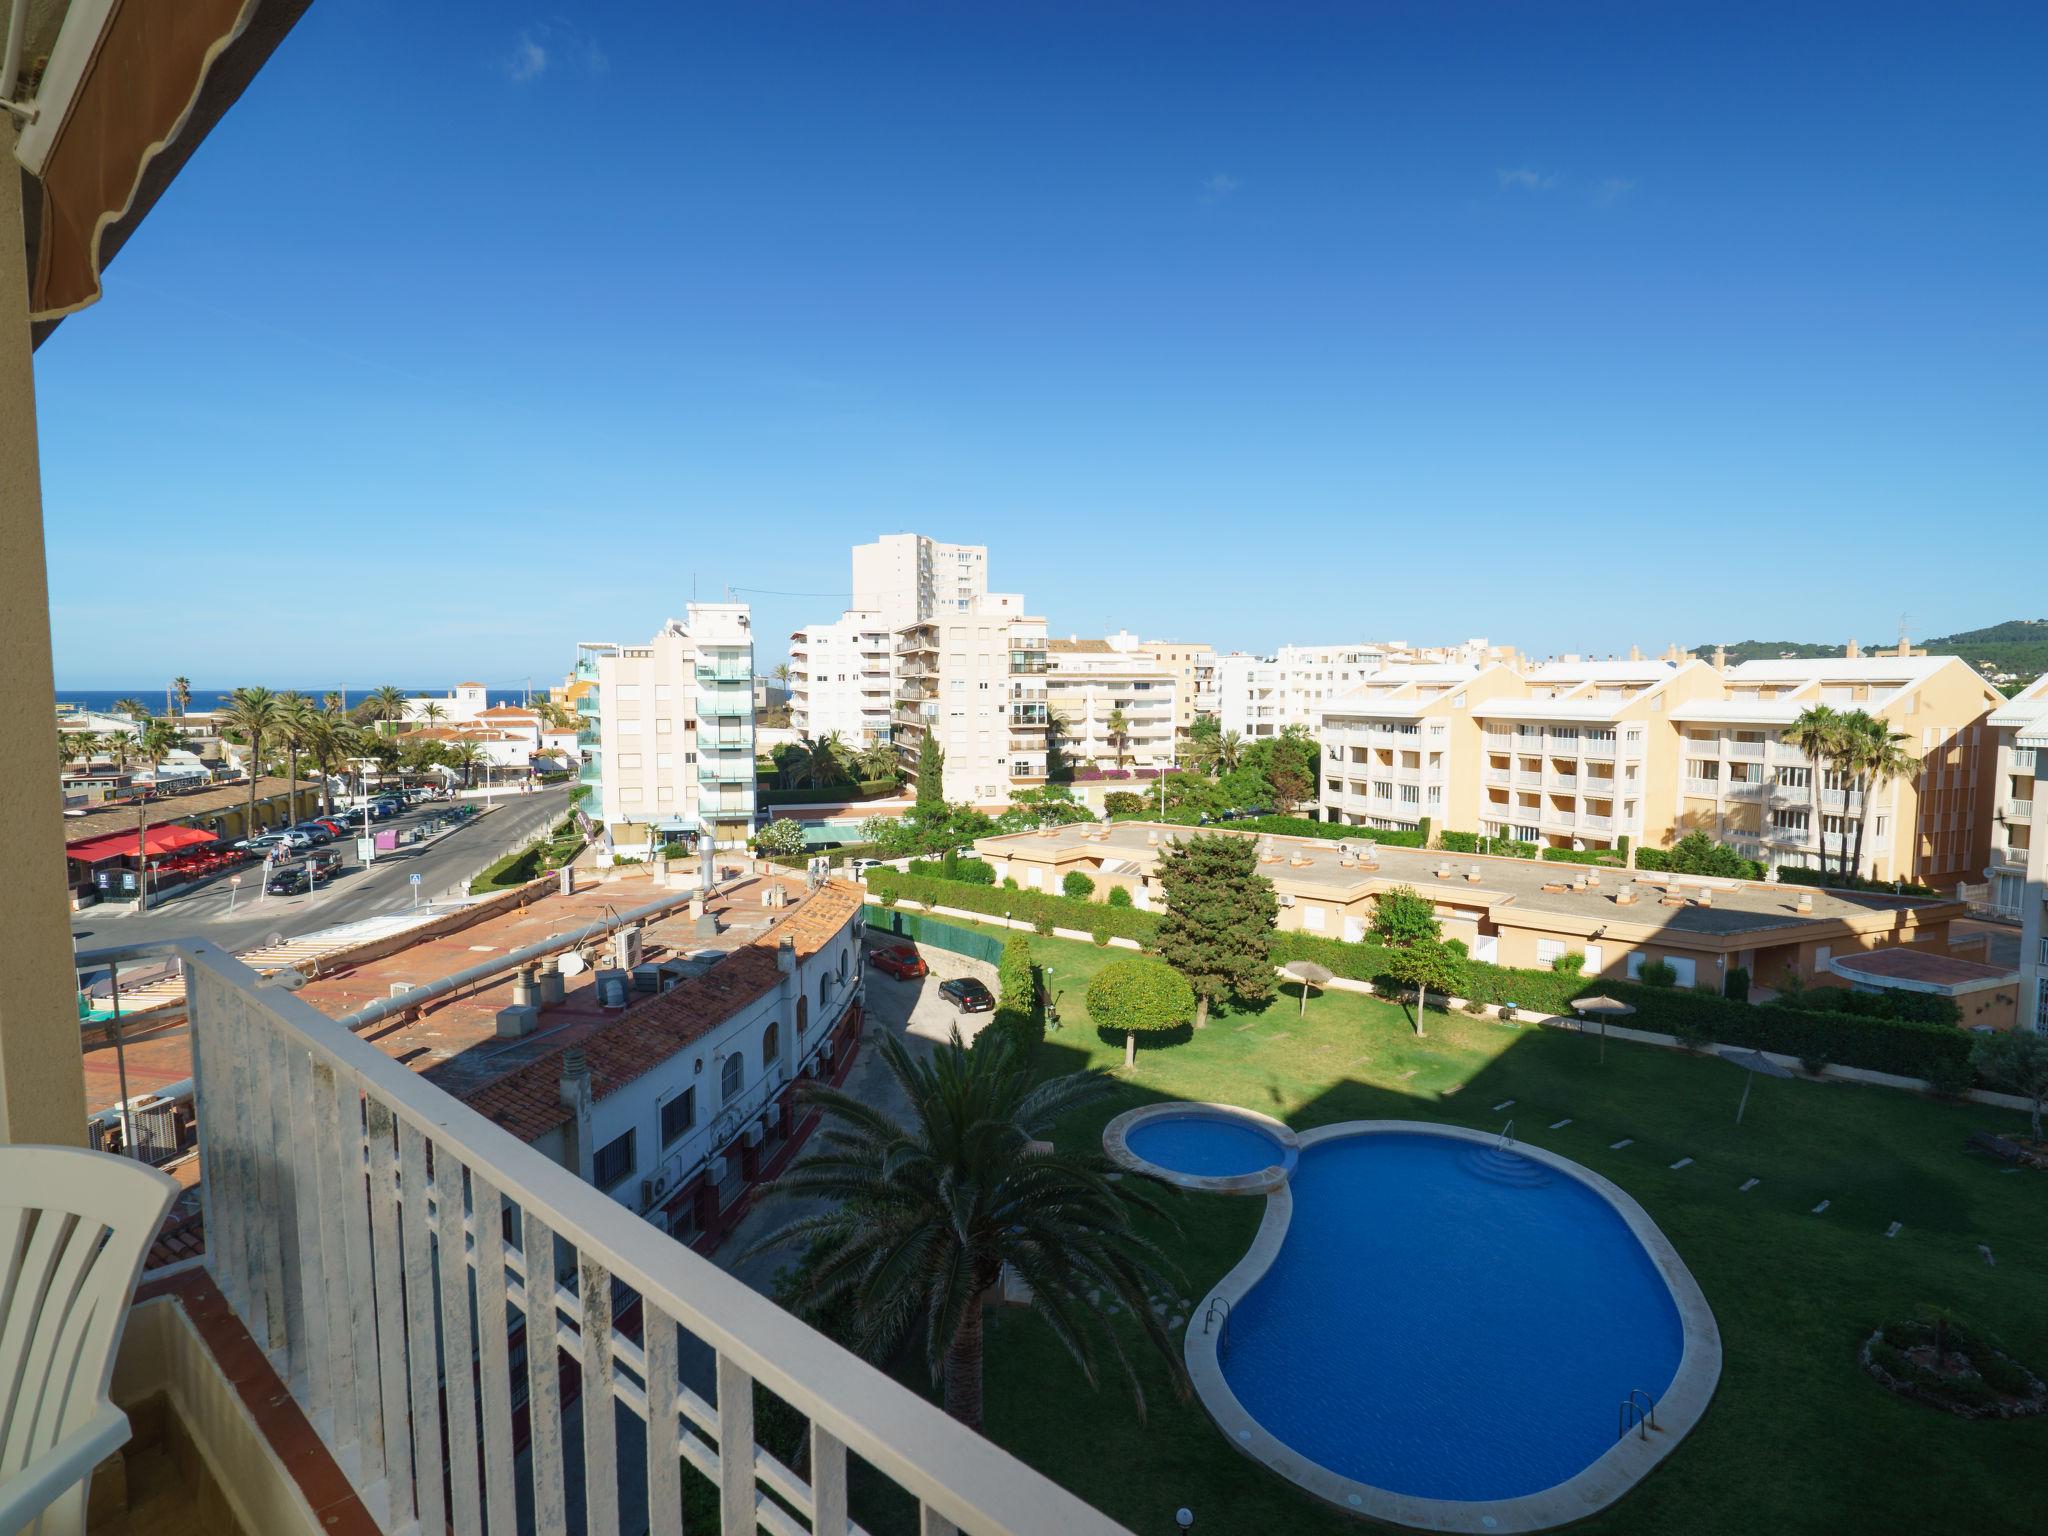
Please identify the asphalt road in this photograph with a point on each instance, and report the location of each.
(355, 893)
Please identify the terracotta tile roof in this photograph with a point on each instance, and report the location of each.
(1093, 647)
(527, 1101)
(172, 809)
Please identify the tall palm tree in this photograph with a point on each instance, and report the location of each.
(466, 755)
(387, 703)
(554, 713)
(1119, 728)
(878, 762)
(181, 690)
(79, 747)
(296, 718)
(321, 740)
(252, 714)
(156, 741)
(432, 713)
(335, 701)
(1815, 734)
(1880, 758)
(134, 709)
(925, 1214)
(1229, 751)
(781, 674)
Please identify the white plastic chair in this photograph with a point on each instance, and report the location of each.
(75, 1227)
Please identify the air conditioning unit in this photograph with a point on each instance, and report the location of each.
(648, 1191)
(772, 1116)
(1286, 898)
(751, 1135)
(400, 988)
(825, 1050)
(718, 1170)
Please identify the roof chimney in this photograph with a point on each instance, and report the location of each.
(1635, 653)
(1905, 646)
(1720, 658)
(1853, 651)
(785, 957)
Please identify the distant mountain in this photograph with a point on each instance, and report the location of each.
(2018, 647)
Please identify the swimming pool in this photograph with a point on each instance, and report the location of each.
(1436, 1331)
(1215, 1148)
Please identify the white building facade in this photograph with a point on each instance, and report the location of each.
(975, 683)
(668, 748)
(1091, 683)
(2018, 872)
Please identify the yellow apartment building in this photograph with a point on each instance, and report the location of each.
(1578, 755)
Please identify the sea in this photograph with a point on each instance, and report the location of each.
(101, 700)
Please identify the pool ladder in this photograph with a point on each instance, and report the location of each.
(1209, 1316)
(1506, 1143)
(1638, 1412)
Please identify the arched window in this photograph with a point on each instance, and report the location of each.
(845, 963)
(731, 1075)
(771, 1041)
(803, 1014)
(824, 981)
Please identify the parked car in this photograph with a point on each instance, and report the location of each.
(325, 863)
(901, 961)
(319, 831)
(968, 995)
(289, 881)
(339, 827)
(262, 842)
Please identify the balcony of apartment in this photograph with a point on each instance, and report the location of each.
(1603, 747)
(922, 643)
(719, 706)
(1496, 775)
(712, 770)
(1787, 756)
(1745, 789)
(2020, 811)
(1529, 778)
(1744, 751)
(1561, 743)
(1597, 821)
(587, 703)
(589, 737)
(1710, 788)
(592, 771)
(1499, 741)
(1788, 836)
(1025, 663)
(1027, 714)
(356, 1219)
(1568, 782)
(2023, 761)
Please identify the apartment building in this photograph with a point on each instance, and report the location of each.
(1091, 683)
(1578, 754)
(1194, 679)
(902, 577)
(842, 679)
(2017, 871)
(668, 732)
(1260, 696)
(974, 682)
(1742, 782)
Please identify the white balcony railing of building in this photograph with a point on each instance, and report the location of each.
(1703, 787)
(2019, 810)
(1596, 747)
(355, 1214)
(1747, 751)
(1496, 775)
(1528, 780)
(1564, 781)
(1595, 823)
(2023, 759)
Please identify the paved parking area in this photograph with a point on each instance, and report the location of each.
(914, 1013)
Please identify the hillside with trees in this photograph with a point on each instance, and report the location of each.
(2018, 647)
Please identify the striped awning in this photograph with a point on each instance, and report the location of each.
(96, 850)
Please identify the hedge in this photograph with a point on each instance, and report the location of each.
(1905, 1047)
(1606, 858)
(1797, 874)
(1902, 1046)
(830, 794)
(1036, 907)
(1469, 842)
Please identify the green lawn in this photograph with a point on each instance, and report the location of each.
(1797, 1438)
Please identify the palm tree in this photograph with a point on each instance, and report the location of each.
(155, 742)
(1880, 757)
(1815, 734)
(466, 755)
(134, 709)
(296, 718)
(320, 739)
(252, 714)
(554, 713)
(432, 712)
(387, 703)
(1119, 728)
(878, 762)
(181, 690)
(925, 1215)
(79, 746)
(335, 701)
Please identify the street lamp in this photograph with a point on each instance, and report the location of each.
(1184, 1518)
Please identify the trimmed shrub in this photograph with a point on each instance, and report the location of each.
(952, 867)
(1475, 842)
(1795, 874)
(1139, 996)
(1077, 885)
(1571, 963)
(1119, 896)
(1605, 858)
(1123, 802)
(1657, 973)
(1737, 985)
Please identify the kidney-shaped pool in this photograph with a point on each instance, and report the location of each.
(1433, 1316)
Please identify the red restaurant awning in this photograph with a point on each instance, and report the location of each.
(159, 840)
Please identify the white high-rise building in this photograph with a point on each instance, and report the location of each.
(668, 738)
(904, 577)
(842, 678)
(1092, 682)
(974, 682)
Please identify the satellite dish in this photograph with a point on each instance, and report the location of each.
(573, 964)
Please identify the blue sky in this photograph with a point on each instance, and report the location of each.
(471, 333)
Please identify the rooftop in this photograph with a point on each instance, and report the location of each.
(1312, 867)
(1916, 970)
(183, 806)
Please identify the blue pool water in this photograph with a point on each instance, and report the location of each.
(1205, 1146)
(1449, 1321)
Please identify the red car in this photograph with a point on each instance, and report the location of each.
(901, 961)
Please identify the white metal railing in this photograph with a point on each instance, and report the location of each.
(2023, 759)
(1496, 775)
(355, 1213)
(1745, 789)
(1596, 822)
(1703, 786)
(1528, 780)
(1748, 751)
(1596, 747)
(2019, 810)
(1564, 781)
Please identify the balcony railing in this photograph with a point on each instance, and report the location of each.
(1596, 747)
(1748, 751)
(592, 771)
(1703, 786)
(1565, 781)
(1528, 780)
(1595, 823)
(589, 736)
(359, 1220)
(1745, 789)
(1496, 775)
(2023, 759)
(725, 672)
(1788, 837)
(2019, 810)
(719, 707)
(711, 771)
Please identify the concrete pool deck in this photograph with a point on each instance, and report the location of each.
(1263, 1181)
(1616, 1471)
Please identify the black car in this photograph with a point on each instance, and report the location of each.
(290, 881)
(968, 995)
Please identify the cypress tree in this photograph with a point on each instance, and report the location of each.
(1220, 912)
